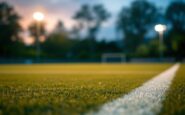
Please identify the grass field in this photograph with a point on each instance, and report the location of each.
(174, 103)
(71, 88)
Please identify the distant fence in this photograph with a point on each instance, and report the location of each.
(152, 60)
(131, 60)
(31, 61)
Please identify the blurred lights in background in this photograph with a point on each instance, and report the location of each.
(29, 41)
(160, 28)
(42, 39)
(38, 16)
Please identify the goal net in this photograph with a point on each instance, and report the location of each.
(113, 57)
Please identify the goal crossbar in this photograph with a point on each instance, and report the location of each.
(107, 56)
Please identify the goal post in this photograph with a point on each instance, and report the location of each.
(113, 57)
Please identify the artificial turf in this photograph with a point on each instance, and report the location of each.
(65, 89)
(174, 103)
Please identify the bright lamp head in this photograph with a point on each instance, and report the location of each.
(38, 16)
(160, 28)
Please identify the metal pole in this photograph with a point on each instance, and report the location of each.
(161, 45)
(37, 40)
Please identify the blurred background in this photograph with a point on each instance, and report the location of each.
(92, 31)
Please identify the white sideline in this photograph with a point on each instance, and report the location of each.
(144, 100)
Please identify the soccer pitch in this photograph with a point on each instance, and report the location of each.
(72, 89)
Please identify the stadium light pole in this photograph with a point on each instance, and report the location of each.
(160, 28)
(38, 17)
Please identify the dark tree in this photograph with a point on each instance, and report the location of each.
(58, 44)
(176, 15)
(37, 29)
(60, 28)
(91, 19)
(75, 32)
(134, 23)
(9, 29)
(100, 15)
(84, 17)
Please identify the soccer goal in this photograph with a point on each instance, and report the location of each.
(113, 57)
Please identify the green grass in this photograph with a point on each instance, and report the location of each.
(174, 103)
(69, 88)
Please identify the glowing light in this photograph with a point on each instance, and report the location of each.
(38, 16)
(42, 39)
(28, 41)
(160, 28)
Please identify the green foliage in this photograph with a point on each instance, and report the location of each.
(61, 45)
(175, 13)
(150, 49)
(69, 89)
(134, 23)
(90, 19)
(58, 45)
(174, 103)
(142, 50)
(9, 30)
(37, 29)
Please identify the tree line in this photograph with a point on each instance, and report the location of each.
(134, 23)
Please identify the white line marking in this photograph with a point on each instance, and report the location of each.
(144, 100)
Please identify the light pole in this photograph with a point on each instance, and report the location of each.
(38, 17)
(160, 29)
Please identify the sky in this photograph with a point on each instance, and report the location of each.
(64, 10)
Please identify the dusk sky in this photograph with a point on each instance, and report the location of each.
(64, 10)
